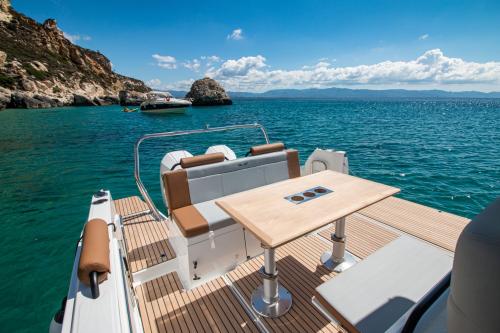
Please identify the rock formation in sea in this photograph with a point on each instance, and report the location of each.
(206, 92)
(130, 97)
(41, 68)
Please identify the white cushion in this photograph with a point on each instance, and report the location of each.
(215, 216)
(212, 181)
(373, 294)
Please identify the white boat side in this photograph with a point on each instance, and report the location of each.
(164, 102)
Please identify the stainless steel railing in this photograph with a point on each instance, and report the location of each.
(142, 189)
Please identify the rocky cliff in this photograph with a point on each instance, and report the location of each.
(207, 92)
(39, 67)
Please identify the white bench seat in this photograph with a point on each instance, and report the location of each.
(378, 291)
(214, 215)
(191, 191)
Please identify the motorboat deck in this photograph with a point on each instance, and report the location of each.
(262, 243)
(222, 305)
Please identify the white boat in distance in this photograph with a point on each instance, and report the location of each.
(159, 102)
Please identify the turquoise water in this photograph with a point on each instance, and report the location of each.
(443, 154)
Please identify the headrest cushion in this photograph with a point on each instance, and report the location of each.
(268, 148)
(474, 296)
(94, 256)
(189, 162)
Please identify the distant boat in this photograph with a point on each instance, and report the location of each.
(126, 109)
(163, 102)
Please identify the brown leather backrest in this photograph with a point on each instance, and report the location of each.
(176, 188)
(268, 148)
(292, 159)
(189, 162)
(94, 256)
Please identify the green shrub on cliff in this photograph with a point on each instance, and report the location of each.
(6, 81)
(39, 75)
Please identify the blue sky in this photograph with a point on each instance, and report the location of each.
(260, 45)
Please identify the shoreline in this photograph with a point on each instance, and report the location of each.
(291, 99)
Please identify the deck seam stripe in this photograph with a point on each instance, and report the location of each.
(236, 314)
(213, 298)
(246, 307)
(192, 314)
(206, 300)
(172, 298)
(234, 301)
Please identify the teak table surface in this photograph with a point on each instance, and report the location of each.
(274, 220)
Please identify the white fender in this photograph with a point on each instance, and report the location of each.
(228, 152)
(326, 159)
(172, 159)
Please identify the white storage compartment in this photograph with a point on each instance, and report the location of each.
(205, 257)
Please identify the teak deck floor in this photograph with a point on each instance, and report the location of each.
(147, 241)
(435, 226)
(213, 307)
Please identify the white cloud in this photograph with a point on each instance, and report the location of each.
(237, 34)
(240, 67)
(170, 62)
(210, 60)
(165, 61)
(432, 68)
(154, 83)
(179, 85)
(71, 38)
(213, 58)
(318, 65)
(423, 37)
(193, 65)
(74, 38)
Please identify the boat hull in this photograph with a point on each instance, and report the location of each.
(179, 110)
(159, 108)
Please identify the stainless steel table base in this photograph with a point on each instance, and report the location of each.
(270, 299)
(338, 260)
(275, 309)
(338, 267)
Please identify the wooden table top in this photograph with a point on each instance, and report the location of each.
(274, 220)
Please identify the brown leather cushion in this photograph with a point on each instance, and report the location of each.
(190, 221)
(189, 162)
(269, 148)
(94, 256)
(292, 158)
(176, 189)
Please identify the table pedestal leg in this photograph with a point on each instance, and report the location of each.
(338, 260)
(271, 299)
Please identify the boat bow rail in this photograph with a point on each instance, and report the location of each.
(140, 185)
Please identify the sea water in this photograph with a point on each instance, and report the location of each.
(444, 154)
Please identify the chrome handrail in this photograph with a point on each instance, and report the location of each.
(142, 189)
